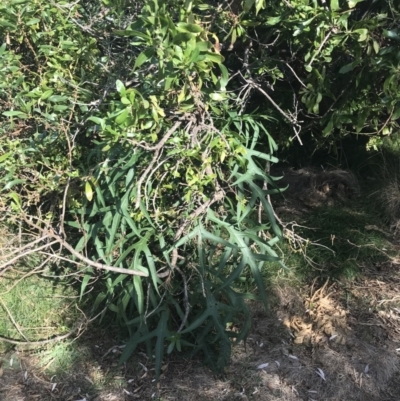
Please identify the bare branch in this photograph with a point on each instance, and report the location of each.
(158, 149)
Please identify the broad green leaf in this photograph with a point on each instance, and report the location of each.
(248, 4)
(57, 98)
(46, 94)
(2, 49)
(98, 121)
(328, 128)
(391, 34)
(349, 67)
(376, 46)
(363, 34)
(143, 57)
(60, 107)
(7, 24)
(125, 100)
(353, 3)
(273, 20)
(191, 28)
(260, 4)
(122, 117)
(214, 57)
(120, 87)
(32, 21)
(335, 5)
(15, 197)
(218, 97)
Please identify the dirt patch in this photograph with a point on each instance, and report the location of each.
(310, 188)
(332, 342)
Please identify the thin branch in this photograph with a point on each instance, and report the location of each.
(21, 255)
(320, 48)
(96, 264)
(158, 149)
(294, 73)
(12, 319)
(49, 233)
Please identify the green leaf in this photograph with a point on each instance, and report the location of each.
(143, 57)
(85, 281)
(12, 183)
(328, 129)
(2, 49)
(363, 34)
(191, 28)
(120, 87)
(133, 33)
(7, 24)
(225, 76)
(391, 34)
(15, 197)
(353, 3)
(218, 97)
(214, 57)
(162, 334)
(137, 282)
(376, 46)
(5, 156)
(88, 191)
(46, 94)
(98, 121)
(248, 4)
(260, 4)
(273, 20)
(57, 98)
(15, 114)
(122, 117)
(349, 67)
(335, 5)
(32, 21)
(60, 107)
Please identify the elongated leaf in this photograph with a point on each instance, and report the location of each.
(162, 334)
(191, 28)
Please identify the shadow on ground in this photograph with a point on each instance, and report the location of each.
(335, 342)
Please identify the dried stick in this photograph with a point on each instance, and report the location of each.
(95, 264)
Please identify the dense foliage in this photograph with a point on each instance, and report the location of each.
(138, 139)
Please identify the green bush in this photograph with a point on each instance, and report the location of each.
(135, 146)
